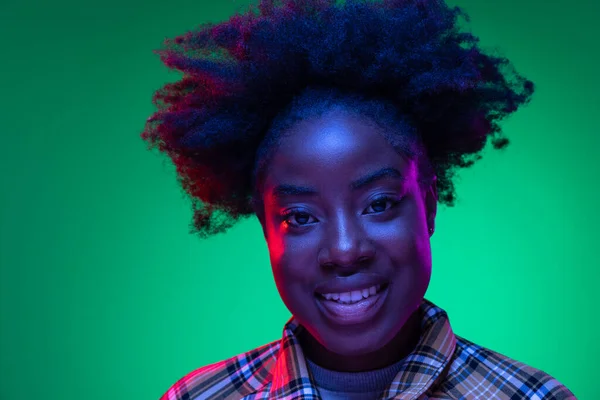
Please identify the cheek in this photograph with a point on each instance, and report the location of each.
(405, 241)
(417, 250)
(294, 278)
(413, 269)
(293, 263)
(410, 255)
(422, 249)
(276, 249)
(406, 234)
(275, 242)
(412, 237)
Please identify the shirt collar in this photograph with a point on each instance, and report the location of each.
(420, 369)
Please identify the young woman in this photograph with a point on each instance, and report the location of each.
(339, 125)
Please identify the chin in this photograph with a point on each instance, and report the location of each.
(357, 340)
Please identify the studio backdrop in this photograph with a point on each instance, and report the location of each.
(104, 294)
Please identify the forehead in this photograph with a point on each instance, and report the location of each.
(332, 150)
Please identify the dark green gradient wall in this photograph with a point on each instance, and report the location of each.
(105, 295)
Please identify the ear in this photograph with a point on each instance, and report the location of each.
(431, 201)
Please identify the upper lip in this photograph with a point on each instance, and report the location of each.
(342, 284)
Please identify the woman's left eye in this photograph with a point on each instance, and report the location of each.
(380, 204)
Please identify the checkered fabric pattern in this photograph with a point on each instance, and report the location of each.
(442, 366)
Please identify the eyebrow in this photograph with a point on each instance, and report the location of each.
(294, 190)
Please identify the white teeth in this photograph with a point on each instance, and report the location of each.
(353, 296)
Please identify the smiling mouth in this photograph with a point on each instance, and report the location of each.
(354, 296)
(355, 307)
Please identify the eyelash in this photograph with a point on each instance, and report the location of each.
(383, 198)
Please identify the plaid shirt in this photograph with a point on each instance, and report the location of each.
(442, 366)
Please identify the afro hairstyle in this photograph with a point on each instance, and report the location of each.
(405, 62)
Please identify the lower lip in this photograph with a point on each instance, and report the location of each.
(355, 313)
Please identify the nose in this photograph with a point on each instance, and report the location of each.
(346, 245)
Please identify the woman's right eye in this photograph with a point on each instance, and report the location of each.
(301, 218)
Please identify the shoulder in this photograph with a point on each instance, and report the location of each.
(484, 373)
(233, 378)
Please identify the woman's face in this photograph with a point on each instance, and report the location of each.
(346, 224)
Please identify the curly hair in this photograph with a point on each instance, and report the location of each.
(404, 63)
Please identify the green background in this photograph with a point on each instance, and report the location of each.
(105, 294)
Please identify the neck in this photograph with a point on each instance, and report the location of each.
(395, 350)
